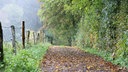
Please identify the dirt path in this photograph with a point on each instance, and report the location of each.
(69, 59)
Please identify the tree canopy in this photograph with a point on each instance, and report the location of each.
(101, 24)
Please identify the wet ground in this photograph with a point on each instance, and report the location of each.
(71, 59)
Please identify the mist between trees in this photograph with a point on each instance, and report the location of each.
(12, 12)
(101, 24)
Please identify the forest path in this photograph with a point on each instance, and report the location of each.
(71, 59)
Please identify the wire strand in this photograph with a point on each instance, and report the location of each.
(15, 27)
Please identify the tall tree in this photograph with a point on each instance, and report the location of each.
(93, 23)
(63, 24)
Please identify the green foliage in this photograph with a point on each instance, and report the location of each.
(26, 60)
(89, 23)
(123, 44)
(61, 23)
(108, 56)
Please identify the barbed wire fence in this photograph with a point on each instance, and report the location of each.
(23, 39)
(10, 27)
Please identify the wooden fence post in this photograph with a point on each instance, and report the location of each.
(34, 37)
(23, 34)
(1, 44)
(38, 37)
(13, 38)
(28, 36)
(41, 36)
(43, 33)
(44, 40)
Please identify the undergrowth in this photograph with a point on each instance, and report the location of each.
(26, 60)
(108, 56)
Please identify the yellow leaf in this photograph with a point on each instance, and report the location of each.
(57, 67)
(89, 67)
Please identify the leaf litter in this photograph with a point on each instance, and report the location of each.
(72, 59)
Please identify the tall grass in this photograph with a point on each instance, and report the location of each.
(26, 60)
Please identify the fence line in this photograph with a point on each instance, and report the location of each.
(35, 38)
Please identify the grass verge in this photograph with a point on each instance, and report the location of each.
(26, 60)
(108, 56)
